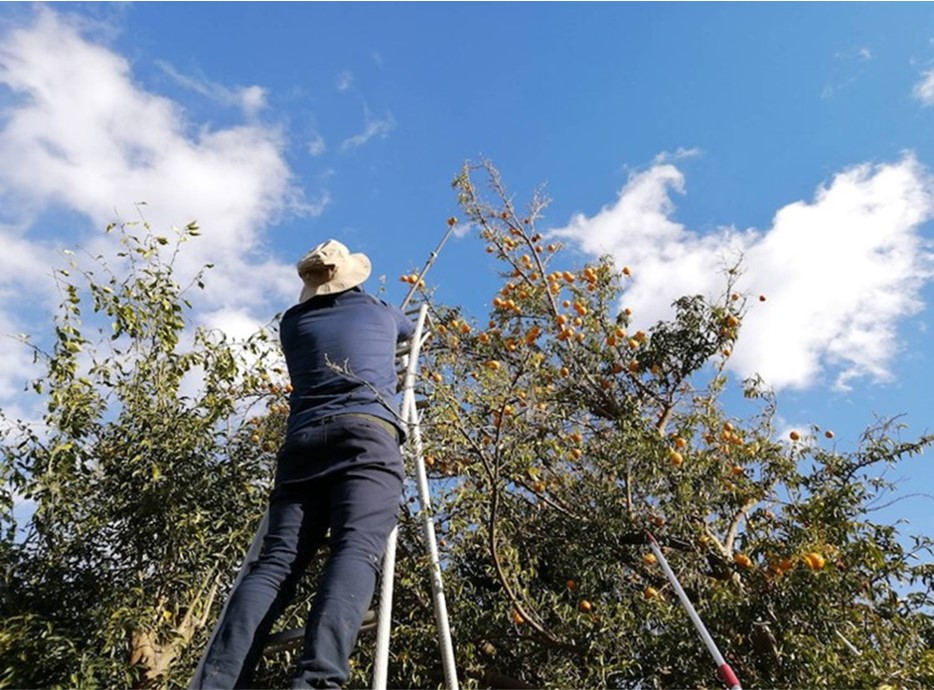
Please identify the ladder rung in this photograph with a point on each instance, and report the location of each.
(405, 348)
(290, 639)
(414, 308)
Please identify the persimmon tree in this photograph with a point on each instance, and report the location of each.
(559, 436)
(145, 477)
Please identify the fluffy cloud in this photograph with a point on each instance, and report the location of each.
(81, 135)
(25, 272)
(839, 271)
(924, 89)
(78, 135)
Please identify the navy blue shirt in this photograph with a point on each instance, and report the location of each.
(358, 334)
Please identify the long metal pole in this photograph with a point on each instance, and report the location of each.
(384, 617)
(427, 266)
(428, 527)
(723, 668)
(410, 416)
(381, 660)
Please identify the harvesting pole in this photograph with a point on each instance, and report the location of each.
(723, 668)
(452, 222)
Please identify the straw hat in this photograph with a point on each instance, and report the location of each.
(331, 268)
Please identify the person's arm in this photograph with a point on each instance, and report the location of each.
(405, 329)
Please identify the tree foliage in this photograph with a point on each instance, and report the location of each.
(557, 437)
(144, 478)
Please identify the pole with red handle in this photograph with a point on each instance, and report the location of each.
(723, 668)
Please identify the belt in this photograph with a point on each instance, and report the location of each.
(388, 426)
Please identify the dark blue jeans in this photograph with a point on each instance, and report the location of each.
(351, 485)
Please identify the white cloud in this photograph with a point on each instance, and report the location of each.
(25, 276)
(849, 67)
(372, 128)
(78, 134)
(344, 81)
(235, 323)
(829, 90)
(250, 99)
(861, 54)
(81, 135)
(680, 153)
(839, 272)
(316, 144)
(924, 89)
(16, 364)
(24, 263)
(462, 230)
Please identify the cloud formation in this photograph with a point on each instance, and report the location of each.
(849, 66)
(249, 99)
(316, 144)
(924, 89)
(679, 154)
(79, 135)
(344, 81)
(372, 128)
(840, 272)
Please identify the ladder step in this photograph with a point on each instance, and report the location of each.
(292, 639)
(405, 347)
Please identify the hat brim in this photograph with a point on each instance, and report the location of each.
(347, 275)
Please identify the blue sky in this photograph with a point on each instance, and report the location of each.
(670, 135)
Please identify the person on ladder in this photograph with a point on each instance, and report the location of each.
(339, 469)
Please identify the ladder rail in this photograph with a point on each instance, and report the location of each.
(442, 621)
(411, 419)
(384, 617)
